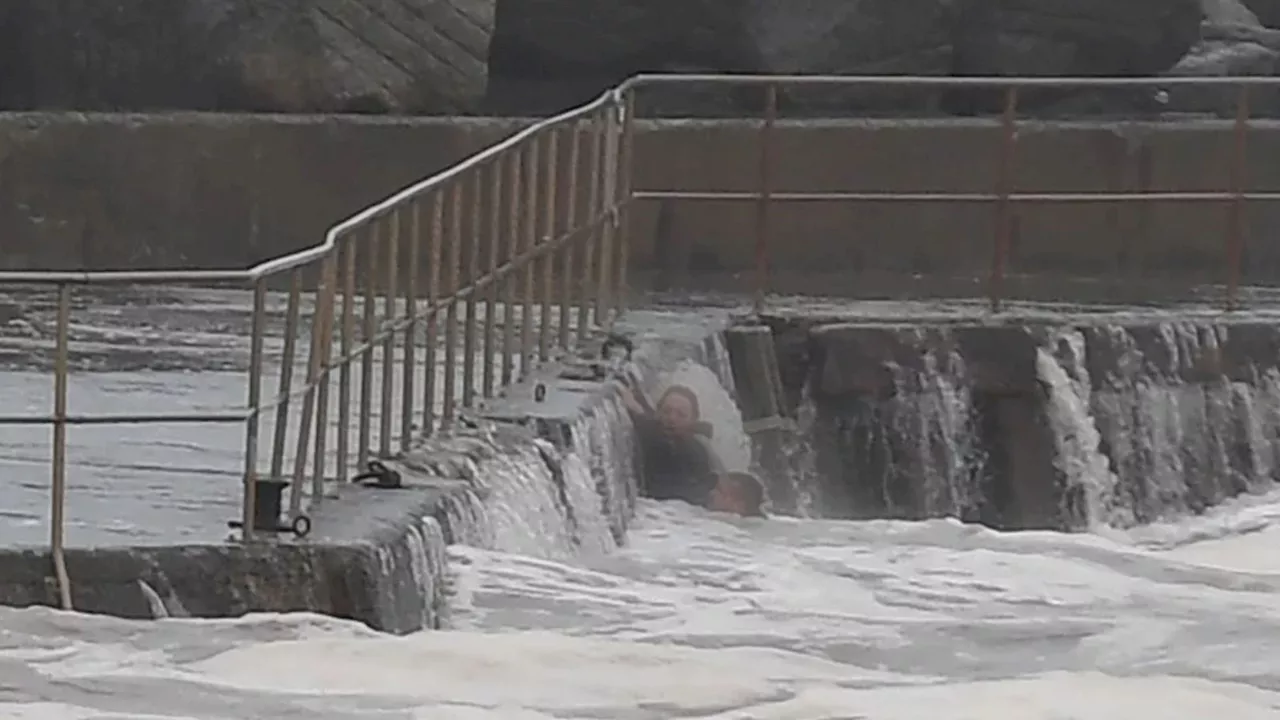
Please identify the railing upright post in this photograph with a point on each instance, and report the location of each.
(515, 231)
(474, 239)
(58, 500)
(587, 297)
(545, 246)
(765, 200)
(429, 381)
(323, 324)
(347, 340)
(307, 417)
(454, 284)
(1004, 183)
(604, 278)
(252, 426)
(493, 293)
(1235, 216)
(433, 317)
(368, 331)
(284, 390)
(571, 235)
(389, 340)
(525, 263)
(624, 197)
(410, 371)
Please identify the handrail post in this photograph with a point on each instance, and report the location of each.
(1004, 182)
(390, 299)
(284, 390)
(57, 511)
(609, 199)
(1235, 213)
(624, 194)
(765, 199)
(252, 426)
(408, 399)
(323, 324)
(453, 264)
(347, 246)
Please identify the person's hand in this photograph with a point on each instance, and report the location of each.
(629, 399)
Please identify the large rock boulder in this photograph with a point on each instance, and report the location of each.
(552, 54)
(1267, 11)
(563, 51)
(1233, 42)
(259, 55)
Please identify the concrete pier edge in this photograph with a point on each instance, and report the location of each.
(376, 556)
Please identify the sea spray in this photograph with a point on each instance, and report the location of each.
(1079, 457)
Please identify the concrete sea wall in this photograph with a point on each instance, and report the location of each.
(378, 556)
(111, 191)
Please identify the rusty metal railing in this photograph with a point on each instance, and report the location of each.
(1002, 196)
(482, 273)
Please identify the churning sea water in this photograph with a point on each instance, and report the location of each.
(707, 616)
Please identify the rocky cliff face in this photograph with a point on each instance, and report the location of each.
(268, 55)
(536, 56)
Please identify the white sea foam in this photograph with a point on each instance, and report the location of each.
(707, 616)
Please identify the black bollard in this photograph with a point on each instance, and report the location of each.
(267, 501)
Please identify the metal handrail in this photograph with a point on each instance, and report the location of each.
(1002, 196)
(531, 220)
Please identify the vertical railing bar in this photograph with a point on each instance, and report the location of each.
(410, 371)
(433, 318)
(389, 301)
(254, 423)
(764, 204)
(516, 231)
(307, 416)
(1004, 183)
(1235, 216)
(58, 491)
(571, 225)
(491, 306)
(546, 262)
(454, 266)
(474, 239)
(604, 298)
(587, 295)
(529, 233)
(324, 317)
(285, 390)
(368, 331)
(347, 340)
(625, 198)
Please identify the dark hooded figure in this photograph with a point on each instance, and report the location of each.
(677, 462)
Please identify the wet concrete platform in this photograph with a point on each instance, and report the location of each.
(151, 503)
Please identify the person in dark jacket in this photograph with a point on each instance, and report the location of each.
(677, 461)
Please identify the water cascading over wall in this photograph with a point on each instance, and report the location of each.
(1036, 424)
(556, 490)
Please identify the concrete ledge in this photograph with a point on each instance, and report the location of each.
(378, 556)
(1036, 422)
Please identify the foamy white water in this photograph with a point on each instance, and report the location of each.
(707, 616)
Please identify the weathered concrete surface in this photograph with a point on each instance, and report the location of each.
(375, 556)
(402, 56)
(216, 191)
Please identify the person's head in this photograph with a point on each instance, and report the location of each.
(738, 493)
(678, 410)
